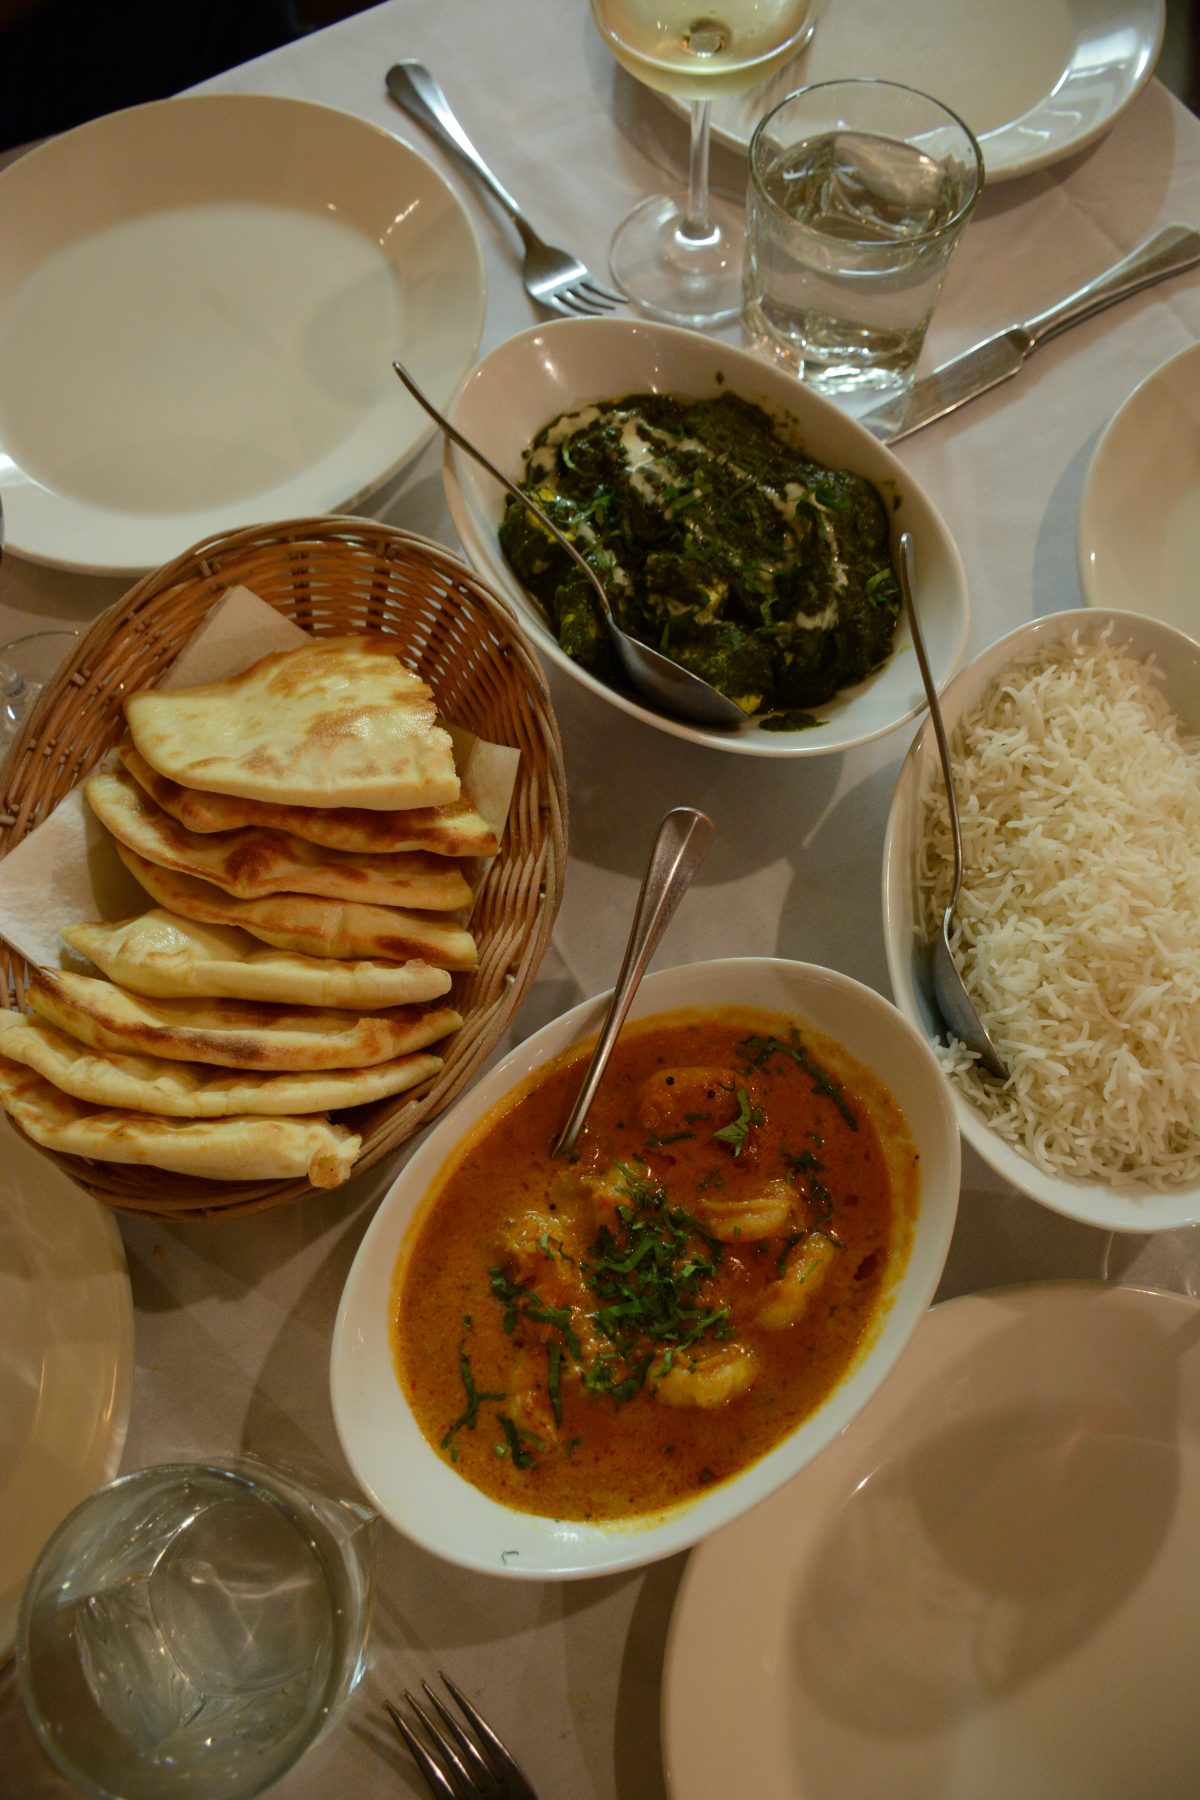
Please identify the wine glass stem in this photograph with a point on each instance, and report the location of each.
(696, 224)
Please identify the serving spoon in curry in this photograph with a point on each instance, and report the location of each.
(680, 846)
(954, 1003)
(668, 684)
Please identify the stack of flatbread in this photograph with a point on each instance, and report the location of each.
(304, 835)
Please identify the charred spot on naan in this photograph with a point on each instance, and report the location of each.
(154, 1084)
(240, 1034)
(311, 924)
(239, 1148)
(456, 829)
(338, 722)
(166, 956)
(255, 860)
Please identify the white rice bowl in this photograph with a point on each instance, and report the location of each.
(1117, 1200)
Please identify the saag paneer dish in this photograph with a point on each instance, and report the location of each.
(717, 542)
(608, 1335)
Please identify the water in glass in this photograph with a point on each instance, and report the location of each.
(195, 1637)
(849, 235)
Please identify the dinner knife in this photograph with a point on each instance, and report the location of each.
(1168, 252)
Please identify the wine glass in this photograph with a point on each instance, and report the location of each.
(26, 664)
(680, 258)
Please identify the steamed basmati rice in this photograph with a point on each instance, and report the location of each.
(1078, 929)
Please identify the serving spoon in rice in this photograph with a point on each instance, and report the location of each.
(949, 989)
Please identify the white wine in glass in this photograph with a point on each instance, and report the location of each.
(680, 258)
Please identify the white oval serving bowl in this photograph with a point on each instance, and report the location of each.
(1135, 1207)
(422, 1495)
(1138, 540)
(530, 379)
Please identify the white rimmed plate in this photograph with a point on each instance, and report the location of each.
(1035, 82)
(989, 1588)
(200, 301)
(66, 1358)
(418, 1491)
(1139, 520)
(1137, 1206)
(527, 381)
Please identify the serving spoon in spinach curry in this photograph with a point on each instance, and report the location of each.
(681, 692)
(718, 540)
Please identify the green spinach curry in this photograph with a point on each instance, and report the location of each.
(718, 543)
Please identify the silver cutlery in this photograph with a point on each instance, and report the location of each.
(680, 846)
(1168, 252)
(554, 278)
(666, 683)
(955, 1005)
(461, 1761)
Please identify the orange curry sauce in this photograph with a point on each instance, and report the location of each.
(606, 1336)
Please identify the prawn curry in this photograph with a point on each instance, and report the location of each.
(608, 1335)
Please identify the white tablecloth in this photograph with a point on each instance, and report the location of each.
(233, 1322)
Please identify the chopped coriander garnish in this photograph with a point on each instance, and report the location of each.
(755, 1051)
(738, 1130)
(469, 1416)
(514, 1443)
(554, 1379)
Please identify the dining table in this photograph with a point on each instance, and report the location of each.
(233, 1320)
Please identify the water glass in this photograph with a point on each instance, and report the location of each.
(191, 1629)
(858, 193)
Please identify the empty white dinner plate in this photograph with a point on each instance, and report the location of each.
(200, 302)
(987, 1589)
(1036, 80)
(66, 1357)
(1139, 521)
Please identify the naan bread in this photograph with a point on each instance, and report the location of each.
(181, 1090)
(336, 722)
(236, 1034)
(309, 924)
(171, 958)
(453, 830)
(240, 1149)
(252, 861)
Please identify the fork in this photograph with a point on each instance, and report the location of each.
(555, 279)
(460, 1767)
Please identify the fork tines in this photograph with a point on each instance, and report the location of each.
(455, 1765)
(585, 299)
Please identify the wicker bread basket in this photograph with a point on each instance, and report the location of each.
(330, 576)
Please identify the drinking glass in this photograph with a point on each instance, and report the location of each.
(680, 258)
(26, 665)
(859, 192)
(191, 1629)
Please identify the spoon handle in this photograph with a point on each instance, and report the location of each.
(531, 506)
(679, 848)
(908, 588)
